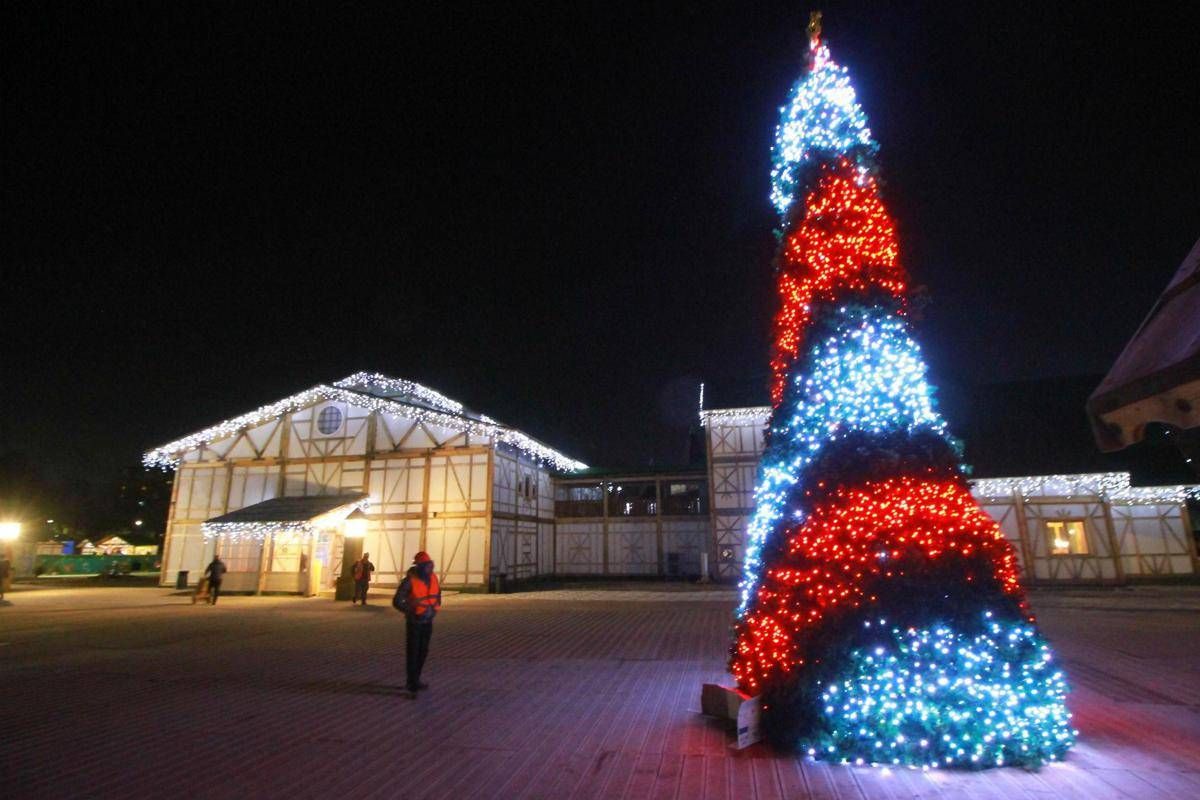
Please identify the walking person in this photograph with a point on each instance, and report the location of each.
(215, 572)
(362, 578)
(419, 597)
(5, 574)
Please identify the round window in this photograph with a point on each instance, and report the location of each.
(329, 420)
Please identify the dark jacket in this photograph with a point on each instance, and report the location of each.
(216, 571)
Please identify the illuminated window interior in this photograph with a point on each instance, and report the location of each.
(1067, 537)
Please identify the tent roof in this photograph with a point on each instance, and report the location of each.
(290, 509)
(1144, 384)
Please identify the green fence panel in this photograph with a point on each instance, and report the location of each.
(93, 565)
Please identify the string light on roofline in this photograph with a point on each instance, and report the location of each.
(255, 531)
(169, 455)
(258, 531)
(375, 380)
(734, 416)
(1111, 485)
(1108, 485)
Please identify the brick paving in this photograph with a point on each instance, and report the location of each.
(567, 694)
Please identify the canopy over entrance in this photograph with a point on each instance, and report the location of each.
(284, 515)
(285, 544)
(1157, 376)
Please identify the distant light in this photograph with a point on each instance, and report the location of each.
(137, 522)
(356, 525)
(49, 522)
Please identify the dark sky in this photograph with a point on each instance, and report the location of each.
(557, 216)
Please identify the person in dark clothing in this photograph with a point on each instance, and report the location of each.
(5, 574)
(420, 597)
(215, 572)
(362, 578)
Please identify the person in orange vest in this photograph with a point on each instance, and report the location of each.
(419, 597)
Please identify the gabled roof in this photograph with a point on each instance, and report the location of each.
(374, 392)
(289, 509)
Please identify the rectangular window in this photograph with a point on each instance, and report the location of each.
(685, 498)
(1067, 538)
(578, 501)
(632, 499)
(241, 555)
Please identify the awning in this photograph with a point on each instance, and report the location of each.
(1157, 376)
(292, 515)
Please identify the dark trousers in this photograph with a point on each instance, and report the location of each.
(214, 590)
(360, 591)
(416, 647)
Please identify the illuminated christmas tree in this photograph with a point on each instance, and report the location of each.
(881, 619)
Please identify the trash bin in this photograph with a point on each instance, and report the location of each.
(181, 579)
(497, 583)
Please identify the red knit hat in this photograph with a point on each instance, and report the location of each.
(422, 558)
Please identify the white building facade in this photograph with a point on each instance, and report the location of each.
(405, 469)
(425, 473)
(1091, 528)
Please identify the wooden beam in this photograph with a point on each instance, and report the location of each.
(272, 461)
(425, 502)
(268, 543)
(1023, 537)
(170, 530)
(604, 528)
(713, 567)
(658, 531)
(487, 543)
(1185, 519)
(1112, 541)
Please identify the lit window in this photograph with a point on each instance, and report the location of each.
(329, 420)
(1067, 538)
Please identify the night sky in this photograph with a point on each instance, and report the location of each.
(558, 217)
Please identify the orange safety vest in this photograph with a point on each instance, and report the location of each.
(424, 596)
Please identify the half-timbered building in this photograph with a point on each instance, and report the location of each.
(1082, 528)
(402, 467)
(290, 492)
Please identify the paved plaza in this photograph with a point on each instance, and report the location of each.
(580, 693)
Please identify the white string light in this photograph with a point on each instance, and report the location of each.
(735, 416)
(1106, 485)
(1111, 485)
(258, 530)
(169, 455)
(374, 382)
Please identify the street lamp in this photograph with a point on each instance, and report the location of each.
(356, 524)
(9, 531)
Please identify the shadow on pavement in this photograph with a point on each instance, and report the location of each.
(374, 607)
(353, 687)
